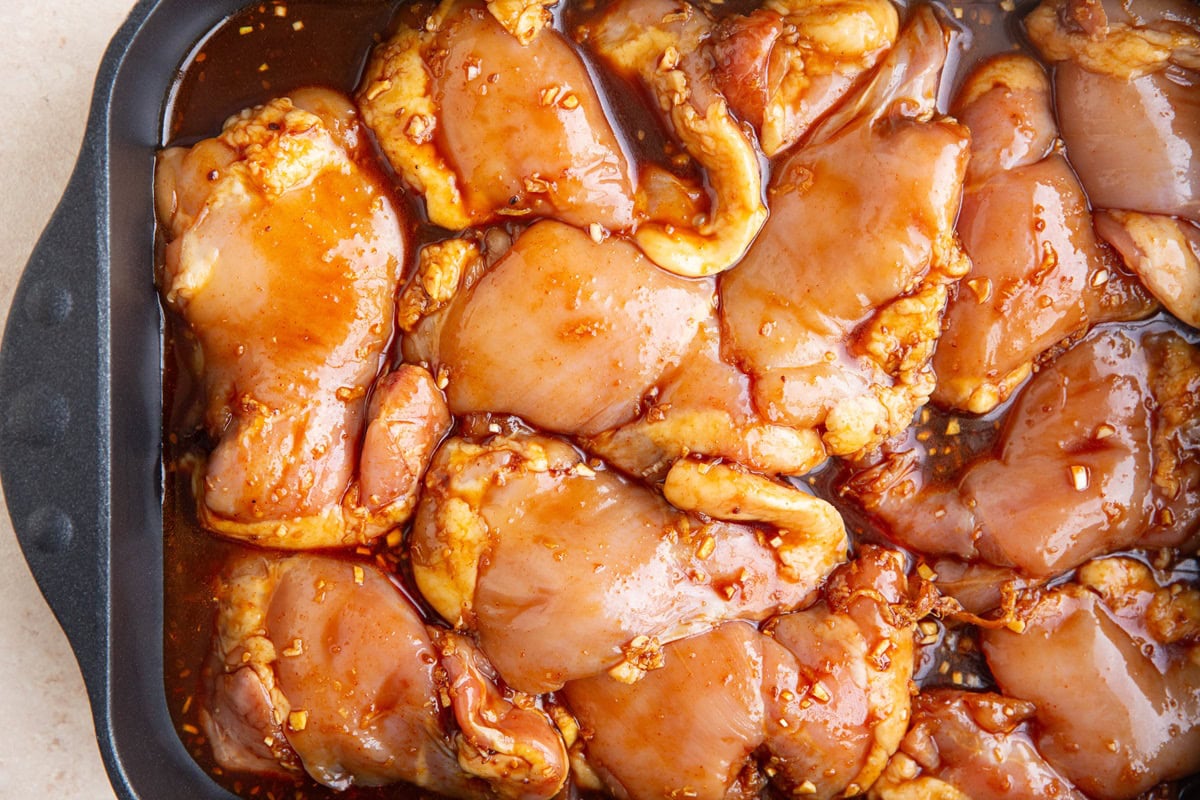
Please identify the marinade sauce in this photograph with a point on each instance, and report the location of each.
(270, 49)
(265, 51)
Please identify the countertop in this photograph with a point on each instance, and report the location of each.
(50, 53)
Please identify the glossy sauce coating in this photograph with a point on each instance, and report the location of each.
(565, 332)
(288, 308)
(658, 392)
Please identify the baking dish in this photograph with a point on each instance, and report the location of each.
(81, 397)
(81, 441)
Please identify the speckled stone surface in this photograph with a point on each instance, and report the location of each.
(49, 58)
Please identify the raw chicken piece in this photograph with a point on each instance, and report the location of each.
(1138, 62)
(1112, 665)
(819, 702)
(835, 310)
(705, 408)
(1164, 252)
(1100, 451)
(688, 729)
(666, 44)
(563, 331)
(324, 664)
(504, 737)
(785, 65)
(484, 122)
(968, 746)
(518, 537)
(283, 257)
(853, 654)
(1038, 273)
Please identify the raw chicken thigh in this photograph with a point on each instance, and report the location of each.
(970, 746)
(1139, 62)
(323, 665)
(1038, 273)
(563, 331)
(667, 46)
(836, 309)
(439, 97)
(1100, 695)
(283, 255)
(854, 652)
(1110, 664)
(786, 64)
(1099, 452)
(518, 536)
(651, 740)
(816, 705)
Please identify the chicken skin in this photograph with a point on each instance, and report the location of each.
(284, 252)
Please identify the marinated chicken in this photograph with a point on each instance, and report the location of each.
(519, 535)
(563, 331)
(783, 66)
(438, 94)
(970, 746)
(1139, 62)
(836, 331)
(1038, 273)
(1099, 452)
(815, 704)
(284, 251)
(1164, 252)
(323, 665)
(1133, 644)
(1099, 698)
(691, 400)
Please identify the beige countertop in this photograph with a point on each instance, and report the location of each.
(50, 54)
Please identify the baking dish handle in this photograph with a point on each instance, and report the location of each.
(53, 448)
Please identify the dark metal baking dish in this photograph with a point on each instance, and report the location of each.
(81, 399)
(81, 407)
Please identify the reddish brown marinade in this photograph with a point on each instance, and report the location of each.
(271, 50)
